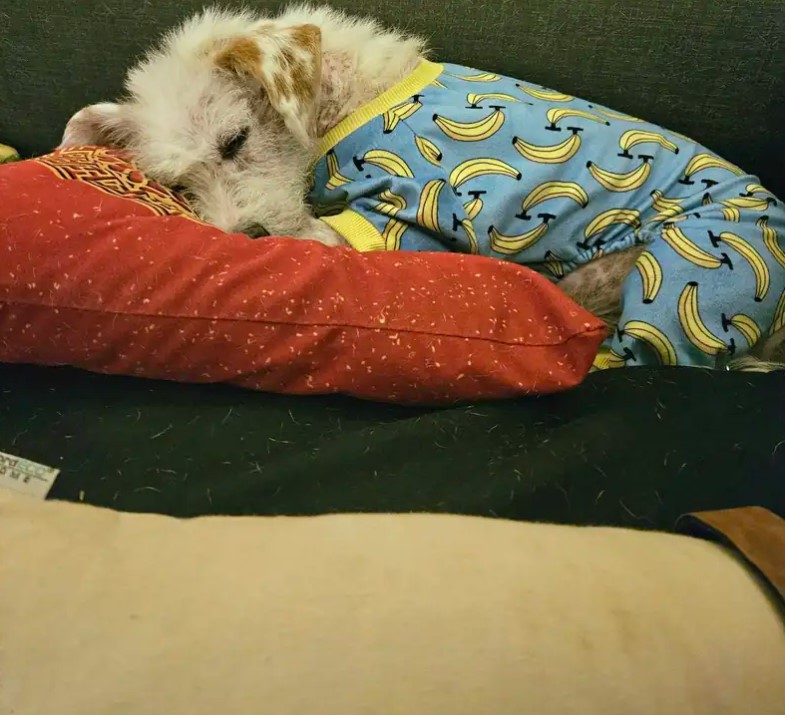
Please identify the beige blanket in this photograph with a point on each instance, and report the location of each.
(104, 613)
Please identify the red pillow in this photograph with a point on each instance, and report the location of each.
(104, 270)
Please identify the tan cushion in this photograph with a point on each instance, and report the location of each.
(104, 613)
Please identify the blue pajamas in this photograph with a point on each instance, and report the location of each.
(717, 298)
(454, 159)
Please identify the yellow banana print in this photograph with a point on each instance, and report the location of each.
(482, 77)
(509, 245)
(770, 240)
(390, 203)
(549, 154)
(732, 214)
(745, 325)
(474, 168)
(556, 190)
(632, 137)
(474, 247)
(650, 271)
(437, 83)
(608, 358)
(703, 161)
(707, 200)
(611, 217)
(429, 151)
(627, 181)
(428, 210)
(475, 100)
(759, 268)
(689, 250)
(664, 205)
(758, 189)
(335, 178)
(734, 206)
(547, 95)
(403, 111)
(392, 234)
(779, 315)
(616, 115)
(555, 115)
(751, 203)
(389, 162)
(692, 324)
(554, 264)
(474, 206)
(471, 131)
(654, 338)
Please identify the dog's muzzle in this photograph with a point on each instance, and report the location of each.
(255, 230)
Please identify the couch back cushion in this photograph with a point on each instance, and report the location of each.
(707, 69)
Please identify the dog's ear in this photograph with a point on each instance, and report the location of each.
(287, 62)
(104, 124)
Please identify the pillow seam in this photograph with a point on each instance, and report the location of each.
(382, 328)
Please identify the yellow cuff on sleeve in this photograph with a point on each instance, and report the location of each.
(358, 231)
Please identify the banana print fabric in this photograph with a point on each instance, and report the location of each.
(456, 159)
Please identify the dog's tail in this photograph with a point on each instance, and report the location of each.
(767, 355)
(750, 363)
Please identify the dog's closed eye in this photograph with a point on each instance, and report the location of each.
(232, 146)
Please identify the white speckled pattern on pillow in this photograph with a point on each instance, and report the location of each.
(110, 272)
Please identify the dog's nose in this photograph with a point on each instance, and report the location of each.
(255, 230)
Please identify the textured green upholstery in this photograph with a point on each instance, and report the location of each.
(635, 447)
(713, 70)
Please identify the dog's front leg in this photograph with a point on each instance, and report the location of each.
(318, 230)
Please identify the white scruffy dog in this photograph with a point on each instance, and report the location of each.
(240, 141)
(230, 108)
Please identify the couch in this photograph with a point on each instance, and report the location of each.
(132, 611)
(636, 447)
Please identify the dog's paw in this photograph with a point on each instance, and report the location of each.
(317, 230)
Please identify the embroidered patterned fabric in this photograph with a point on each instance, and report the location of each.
(111, 173)
(106, 271)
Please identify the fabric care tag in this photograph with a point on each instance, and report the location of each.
(26, 477)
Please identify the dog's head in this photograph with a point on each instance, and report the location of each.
(225, 109)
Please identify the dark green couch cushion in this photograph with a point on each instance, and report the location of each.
(713, 70)
(634, 447)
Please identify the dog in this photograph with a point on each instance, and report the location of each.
(317, 125)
